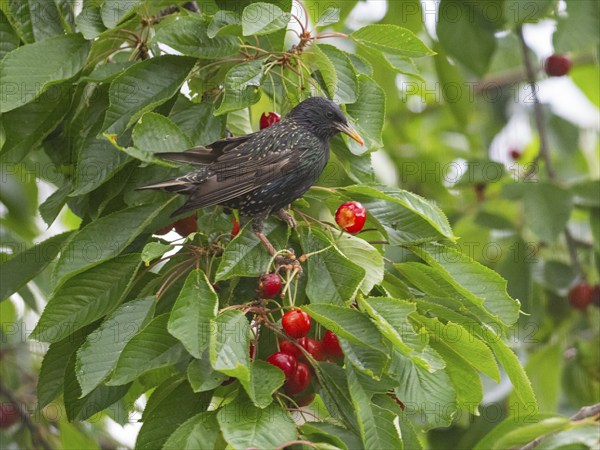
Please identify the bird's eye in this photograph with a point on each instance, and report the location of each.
(329, 115)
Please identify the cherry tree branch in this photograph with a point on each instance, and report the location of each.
(583, 413)
(544, 154)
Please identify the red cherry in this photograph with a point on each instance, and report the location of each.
(596, 295)
(8, 415)
(235, 229)
(252, 350)
(331, 345)
(351, 217)
(296, 323)
(305, 400)
(266, 120)
(314, 347)
(287, 363)
(299, 380)
(558, 65)
(290, 348)
(164, 230)
(269, 285)
(581, 295)
(514, 154)
(186, 226)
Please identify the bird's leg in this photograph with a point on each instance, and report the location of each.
(257, 227)
(288, 259)
(287, 217)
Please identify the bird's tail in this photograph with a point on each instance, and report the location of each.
(174, 185)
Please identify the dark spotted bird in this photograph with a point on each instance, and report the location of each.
(261, 173)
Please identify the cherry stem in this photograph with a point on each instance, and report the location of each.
(331, 34)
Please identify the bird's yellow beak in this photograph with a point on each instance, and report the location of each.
(347, 129)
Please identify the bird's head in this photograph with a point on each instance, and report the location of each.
(323, 117)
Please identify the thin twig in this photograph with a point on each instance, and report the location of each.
(36, 434)
(544, 147)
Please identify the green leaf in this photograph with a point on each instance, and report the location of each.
(230, 344)
(466, 34)
(450, 75)
(36, 20)
(346, 88)
(390, 316)
(242, 84)
(330, 16)
(80, 407)
(104, 238)
(197, 121)
(521, 384)
(324, 70)
(391, 39)
(544, 368)
(378, 428)
(245, 426)
(223, 23)
(202, 376)
(513, 431)
(151, 348)
(170, 406)
(188, 35)
(263, 18)
(347, 323)
(328, 432)
(586, 194)
(430, 393)
(155, 133)
(100, 351)
(333, 384)
(461, 343)
(28, 71)
(143, 87)
(475, 282)
(114, 12)
(52, 372)
(332, 278)
(245, 256)
(154, 250)
(200, 431)
(25, 127)
(24, 266)
(368, 115)
(405, 217)
(89, 21)
(86, 298)
(577, 30)
(364, 255)
(9, 40)
(547, 209)
(264, 379)
(195, 308)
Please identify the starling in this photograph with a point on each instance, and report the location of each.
(263, 172)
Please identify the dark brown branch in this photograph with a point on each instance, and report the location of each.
(36, 435)
(544, 154)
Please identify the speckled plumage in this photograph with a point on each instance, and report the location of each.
(262, 172)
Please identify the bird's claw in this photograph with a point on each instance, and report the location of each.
(288, 218)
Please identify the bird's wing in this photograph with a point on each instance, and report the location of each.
(205, 155)
(216, 190)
